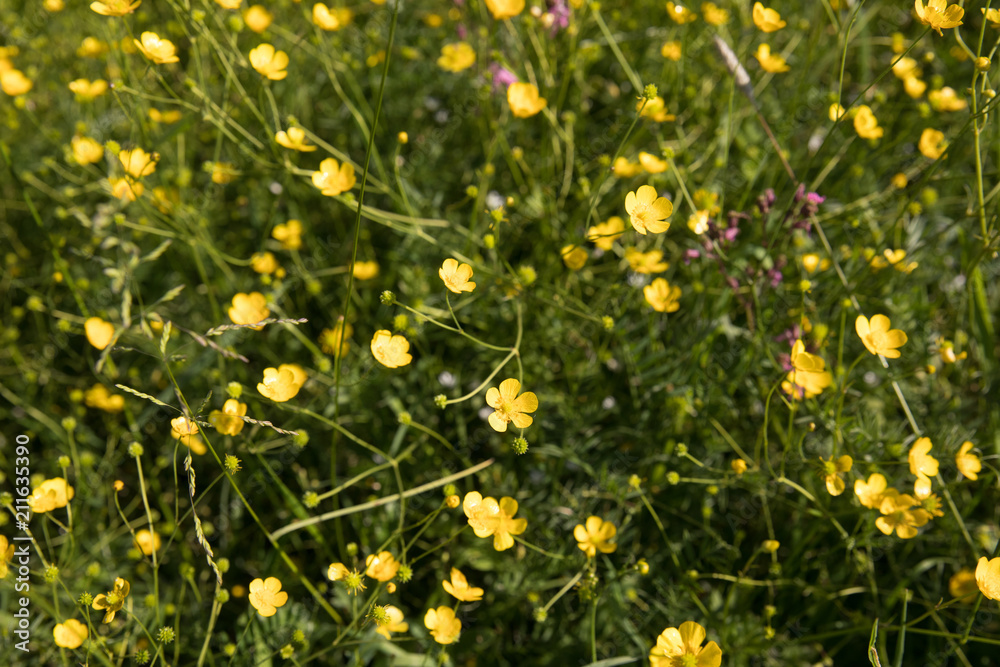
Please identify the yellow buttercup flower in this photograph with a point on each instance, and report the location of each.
(505, 9)
(832, 471)
(258, 18)
(6, 556)
(877, 336)
(160, 51)
(900, 517)
(288, 234)
(524, 100)
(268, 62)
(91, 47)
(115, 7)
(390, 351)
(655, 109)
(266, 595)
(460, 589)
(808, 377)
(812, 262)
(294, 138)
(13, 82)
(113, 600)
(229, 4)
(187, 432)
(333, 178)
(680, 14)
(968, 464)
(249, 309)
(365, 270)
(282, 383)
(381, 566)
(227, 421)
(713, 14)
(603, 235)
(595, 535)
(86, 90)
(866, 125)
(456, 276)
(663, 297)
(698, 222)
(147, 541)
(444, 627)
(334, 341)
(395, 623)
(988, 577)
(938, 15)
(622, 168)
(49, 495)
(264, 263)
(914, 87)
(651, 163)
(99, 333)
(932, 143)
(648, 212)
(923, 465)
(508, 407)
(70, 634)
(739, 466)
(488, 517)
(125, 190)
(456, 57)
(963, 583)
(946, 99)
(646, 262)
(671, 51)
(766, 19)
(770, 62)
(99, 397)
(86, 150)
(337, 571)
(137, 162)
(870, 493)
(165, 117)
(836, 112)
(573, 256)
(330, 19)
(681, 647)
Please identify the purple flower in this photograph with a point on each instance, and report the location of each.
(690, 254)
(560, 15)
(766, 201)
(502, 77)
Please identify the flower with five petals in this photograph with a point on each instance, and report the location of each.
(508, 407)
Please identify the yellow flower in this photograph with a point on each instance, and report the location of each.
(698, 222)
(932, 143)
(832, 471)
(460, 589)
(294, 138)
(382, 566)
(622, 168)
(768, 61)
(86, 90)
(766, 19)
(160, 51)
(647, 212)
(456, 276)
(334, 178)
(263, 262)
(249, 309)
(115, 7)
(651, 163)
(456, 57)
(390, 351)
(914, 87)
(968, 464)
(808, 377)
(395, 623)
(770, 546)
(962, 583)
(505, 9)
(713, 14)
(594, 536)
(604, 234)
(573, 256)
(187, 432)
(86, 150)
(266, 595)
(337, 571)
(70, 634)
(365, 270)
(906, 68)
(937, 15)
(877, 336)
(269, 63)
(282, 383)
(165, 117)
(662, 297)
(866, 125)
(113, 601)
(923, 465)
(646, 262)
(488, 517)
(655, 109)
(6, 556)
(444, 627)
(330, 19)
(836, 112)
(91, 47)
(870, 493)
(148, 542)
(99, 397)
(899, 516)
(739, 466)
(334, 341)
(812, 262)
(992, 15)
(125, 190)
(13, 82)
(227, 421)
(671, 51)
(49, 495)
(509, 407)
(681, 647)
(680, 14)
(988, 577)
(223, 172)
(99, 333)
(288, 234)
(524, 100)
(946, 99)
(137, 162)
(258, 18)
